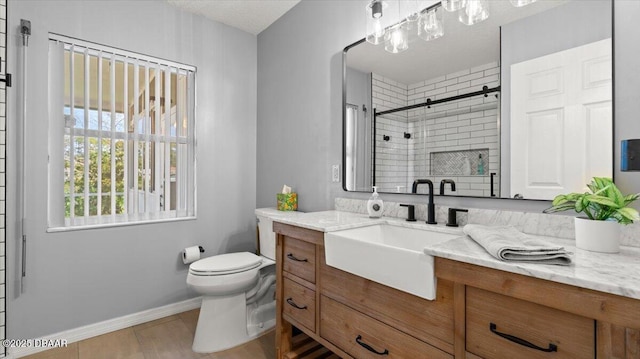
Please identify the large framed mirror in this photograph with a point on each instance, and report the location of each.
(519, 105)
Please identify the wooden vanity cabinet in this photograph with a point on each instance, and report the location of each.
(575, 322)
(479, 312)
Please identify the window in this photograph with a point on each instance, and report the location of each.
(122, 136)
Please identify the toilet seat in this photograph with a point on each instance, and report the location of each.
(224, 264)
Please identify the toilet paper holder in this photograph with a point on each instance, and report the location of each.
(201, 249)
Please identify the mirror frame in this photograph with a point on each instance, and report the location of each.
(344, 120)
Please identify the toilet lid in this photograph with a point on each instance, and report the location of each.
(226, 263)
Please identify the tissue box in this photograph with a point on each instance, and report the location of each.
(287, 201)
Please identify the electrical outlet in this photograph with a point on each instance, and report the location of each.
(335, 173)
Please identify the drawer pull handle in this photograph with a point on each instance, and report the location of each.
(369, 347)
(551, 348)
(293, 304)
(292, 257)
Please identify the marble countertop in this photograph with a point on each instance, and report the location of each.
(611, 273)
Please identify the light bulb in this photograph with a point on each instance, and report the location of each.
(397, 40)
(376, 9)
(453, 5)
(431, 26)
(375, 26)
(520, 3)
(474, 12)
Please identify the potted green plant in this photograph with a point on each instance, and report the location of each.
(605, 207)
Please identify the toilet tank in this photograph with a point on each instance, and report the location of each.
(266, 216)
(267, 237)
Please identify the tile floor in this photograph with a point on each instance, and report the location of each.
(166, 338)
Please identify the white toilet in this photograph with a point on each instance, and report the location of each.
(238, 294)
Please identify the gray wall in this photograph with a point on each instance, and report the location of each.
(300, 100)
(299, 89)
(82, 277)
(529, 38)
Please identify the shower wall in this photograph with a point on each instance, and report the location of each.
(450, 134)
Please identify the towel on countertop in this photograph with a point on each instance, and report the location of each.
(509, 244)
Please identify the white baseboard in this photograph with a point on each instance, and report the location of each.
(107, 326)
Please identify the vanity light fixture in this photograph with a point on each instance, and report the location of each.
(397, 39)
(453, 5)
(430, 24)
(376, 29)
(474, 12)
(392, 21)
(521, 3)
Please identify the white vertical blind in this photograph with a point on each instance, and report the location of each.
(157, 104)
(112, 143)
(72, 140)
(99, 161)
(57, 133)
(167, 139)
(86, 155)
(129, 136)
(147, 142)
(135, 154)
(125, 144)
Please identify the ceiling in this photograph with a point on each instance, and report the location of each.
(251, 16)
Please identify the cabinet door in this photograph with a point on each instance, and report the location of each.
(499, 326)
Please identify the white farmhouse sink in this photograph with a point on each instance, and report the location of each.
(387, 254)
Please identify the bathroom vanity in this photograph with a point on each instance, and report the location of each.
(483, 308)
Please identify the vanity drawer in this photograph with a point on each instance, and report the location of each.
(300, 258)
(488, 314)
(299, 304)
(360, 335)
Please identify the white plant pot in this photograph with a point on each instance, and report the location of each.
(597, 236)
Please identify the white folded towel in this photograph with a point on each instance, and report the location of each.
(509, 244)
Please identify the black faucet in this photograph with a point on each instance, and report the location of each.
(452, 220)
(445, 181)
(431, 208)
(411, 212)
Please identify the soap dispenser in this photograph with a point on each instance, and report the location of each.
(480, 164)
(466, 166)
(374, 204)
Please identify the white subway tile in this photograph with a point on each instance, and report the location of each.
(487, 80)
(457, 74)
(484, 67)
(435, 80)
(459, 86)
(492, 71)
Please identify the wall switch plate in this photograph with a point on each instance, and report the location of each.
(335, 173)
